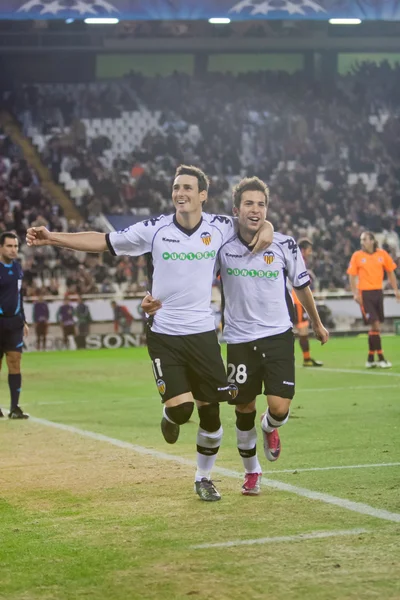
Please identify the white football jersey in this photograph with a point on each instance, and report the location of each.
(183, 263)
(256, 301)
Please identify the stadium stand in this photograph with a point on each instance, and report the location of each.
(330, 156)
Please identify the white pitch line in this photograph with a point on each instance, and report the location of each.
(373, 372)
(369, 466)
(357, 507)
(316, 535)
(347, 387)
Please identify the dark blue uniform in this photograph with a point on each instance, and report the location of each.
(12, 317)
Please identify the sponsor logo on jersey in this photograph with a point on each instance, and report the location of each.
(269, 257)
(188, 255)
(170, 240)
(288, 382)
(234, 255)
(253, 273)
(161, 386)
(363, 260)
(206, 238)
(302, 275)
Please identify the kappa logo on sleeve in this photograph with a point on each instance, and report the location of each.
(221, 219)
(152, 221)
(291, 244)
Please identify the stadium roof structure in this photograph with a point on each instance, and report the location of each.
(236, 10)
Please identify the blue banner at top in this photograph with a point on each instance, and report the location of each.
(237, 10)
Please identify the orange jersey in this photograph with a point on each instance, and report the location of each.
(370, 268)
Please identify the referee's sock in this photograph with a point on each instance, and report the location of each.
(14, 383)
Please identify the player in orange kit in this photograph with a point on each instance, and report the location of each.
(300, 316)
(366, 272)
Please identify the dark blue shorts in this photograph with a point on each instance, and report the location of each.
(11, 334)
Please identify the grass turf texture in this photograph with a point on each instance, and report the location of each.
(80, 518)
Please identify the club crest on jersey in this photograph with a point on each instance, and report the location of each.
(206, 238)
(269, 257)
(161, 386)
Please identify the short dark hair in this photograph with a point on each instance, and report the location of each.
(202, 179)
(249, 184)
(372, 238)
(7, 234)
(304, 243)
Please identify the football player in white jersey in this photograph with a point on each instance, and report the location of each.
(181, 339)
(258, 325)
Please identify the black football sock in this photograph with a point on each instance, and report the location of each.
(14, 383)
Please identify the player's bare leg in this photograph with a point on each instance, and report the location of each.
(246, 435)
(276, 415)
(14, 382)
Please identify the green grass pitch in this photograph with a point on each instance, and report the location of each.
(83, 517)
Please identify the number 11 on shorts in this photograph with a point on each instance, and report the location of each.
(157, 370)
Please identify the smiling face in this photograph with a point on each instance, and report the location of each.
(186, 196)
(251, 213)
(9, 250)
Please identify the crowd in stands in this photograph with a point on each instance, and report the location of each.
(304, 138)
(48, 270)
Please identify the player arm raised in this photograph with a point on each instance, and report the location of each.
(306, 298)
(90, 241)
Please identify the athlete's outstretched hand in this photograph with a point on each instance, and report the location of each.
(150, 305)
(321, 333)
(263, 238)
(38, 236)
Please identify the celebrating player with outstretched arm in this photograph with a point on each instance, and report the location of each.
(182, 343)
(258, 325)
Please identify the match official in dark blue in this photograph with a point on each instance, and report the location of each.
(13, 326)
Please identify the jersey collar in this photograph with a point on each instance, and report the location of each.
(7, 266)
(187, 231)
(244, 242)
